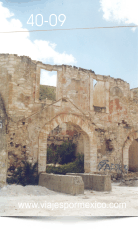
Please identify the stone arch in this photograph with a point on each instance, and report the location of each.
(133, 156)
(116, 92)
(133, 136)
(90, 146)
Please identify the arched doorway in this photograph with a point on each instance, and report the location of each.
(90, 146)
(130, 152)
(133, 156)
(64, 143)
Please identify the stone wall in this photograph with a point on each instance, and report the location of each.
(3, 142)
(108, 129)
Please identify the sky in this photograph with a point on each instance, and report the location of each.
(107, 51)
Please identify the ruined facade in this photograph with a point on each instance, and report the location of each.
(106, 116)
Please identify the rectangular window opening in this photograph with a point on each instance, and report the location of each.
(94, 82)
(48, 83)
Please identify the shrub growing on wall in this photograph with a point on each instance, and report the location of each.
(25, 175)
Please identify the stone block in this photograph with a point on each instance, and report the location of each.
(95, 182)
(62, 183)
(101, 182)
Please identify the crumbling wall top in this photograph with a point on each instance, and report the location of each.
(67, 67)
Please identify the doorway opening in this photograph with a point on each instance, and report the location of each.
(65, 149)
(133, 156)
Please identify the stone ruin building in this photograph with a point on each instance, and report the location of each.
(105, 115)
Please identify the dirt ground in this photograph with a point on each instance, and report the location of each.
(16, 200)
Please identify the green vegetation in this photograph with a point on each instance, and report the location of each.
(74, 167)
(65, 155)
(48, 92)
(62, 154)
(25, 175)
(52, 155)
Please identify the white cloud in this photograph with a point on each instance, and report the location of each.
(48, 78)
(125, 11)
(20, 43)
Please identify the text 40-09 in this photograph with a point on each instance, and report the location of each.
(53, 19)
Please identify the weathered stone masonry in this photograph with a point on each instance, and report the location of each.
(105, 115)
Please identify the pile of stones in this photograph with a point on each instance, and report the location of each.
(132, 182)
(130, 179)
